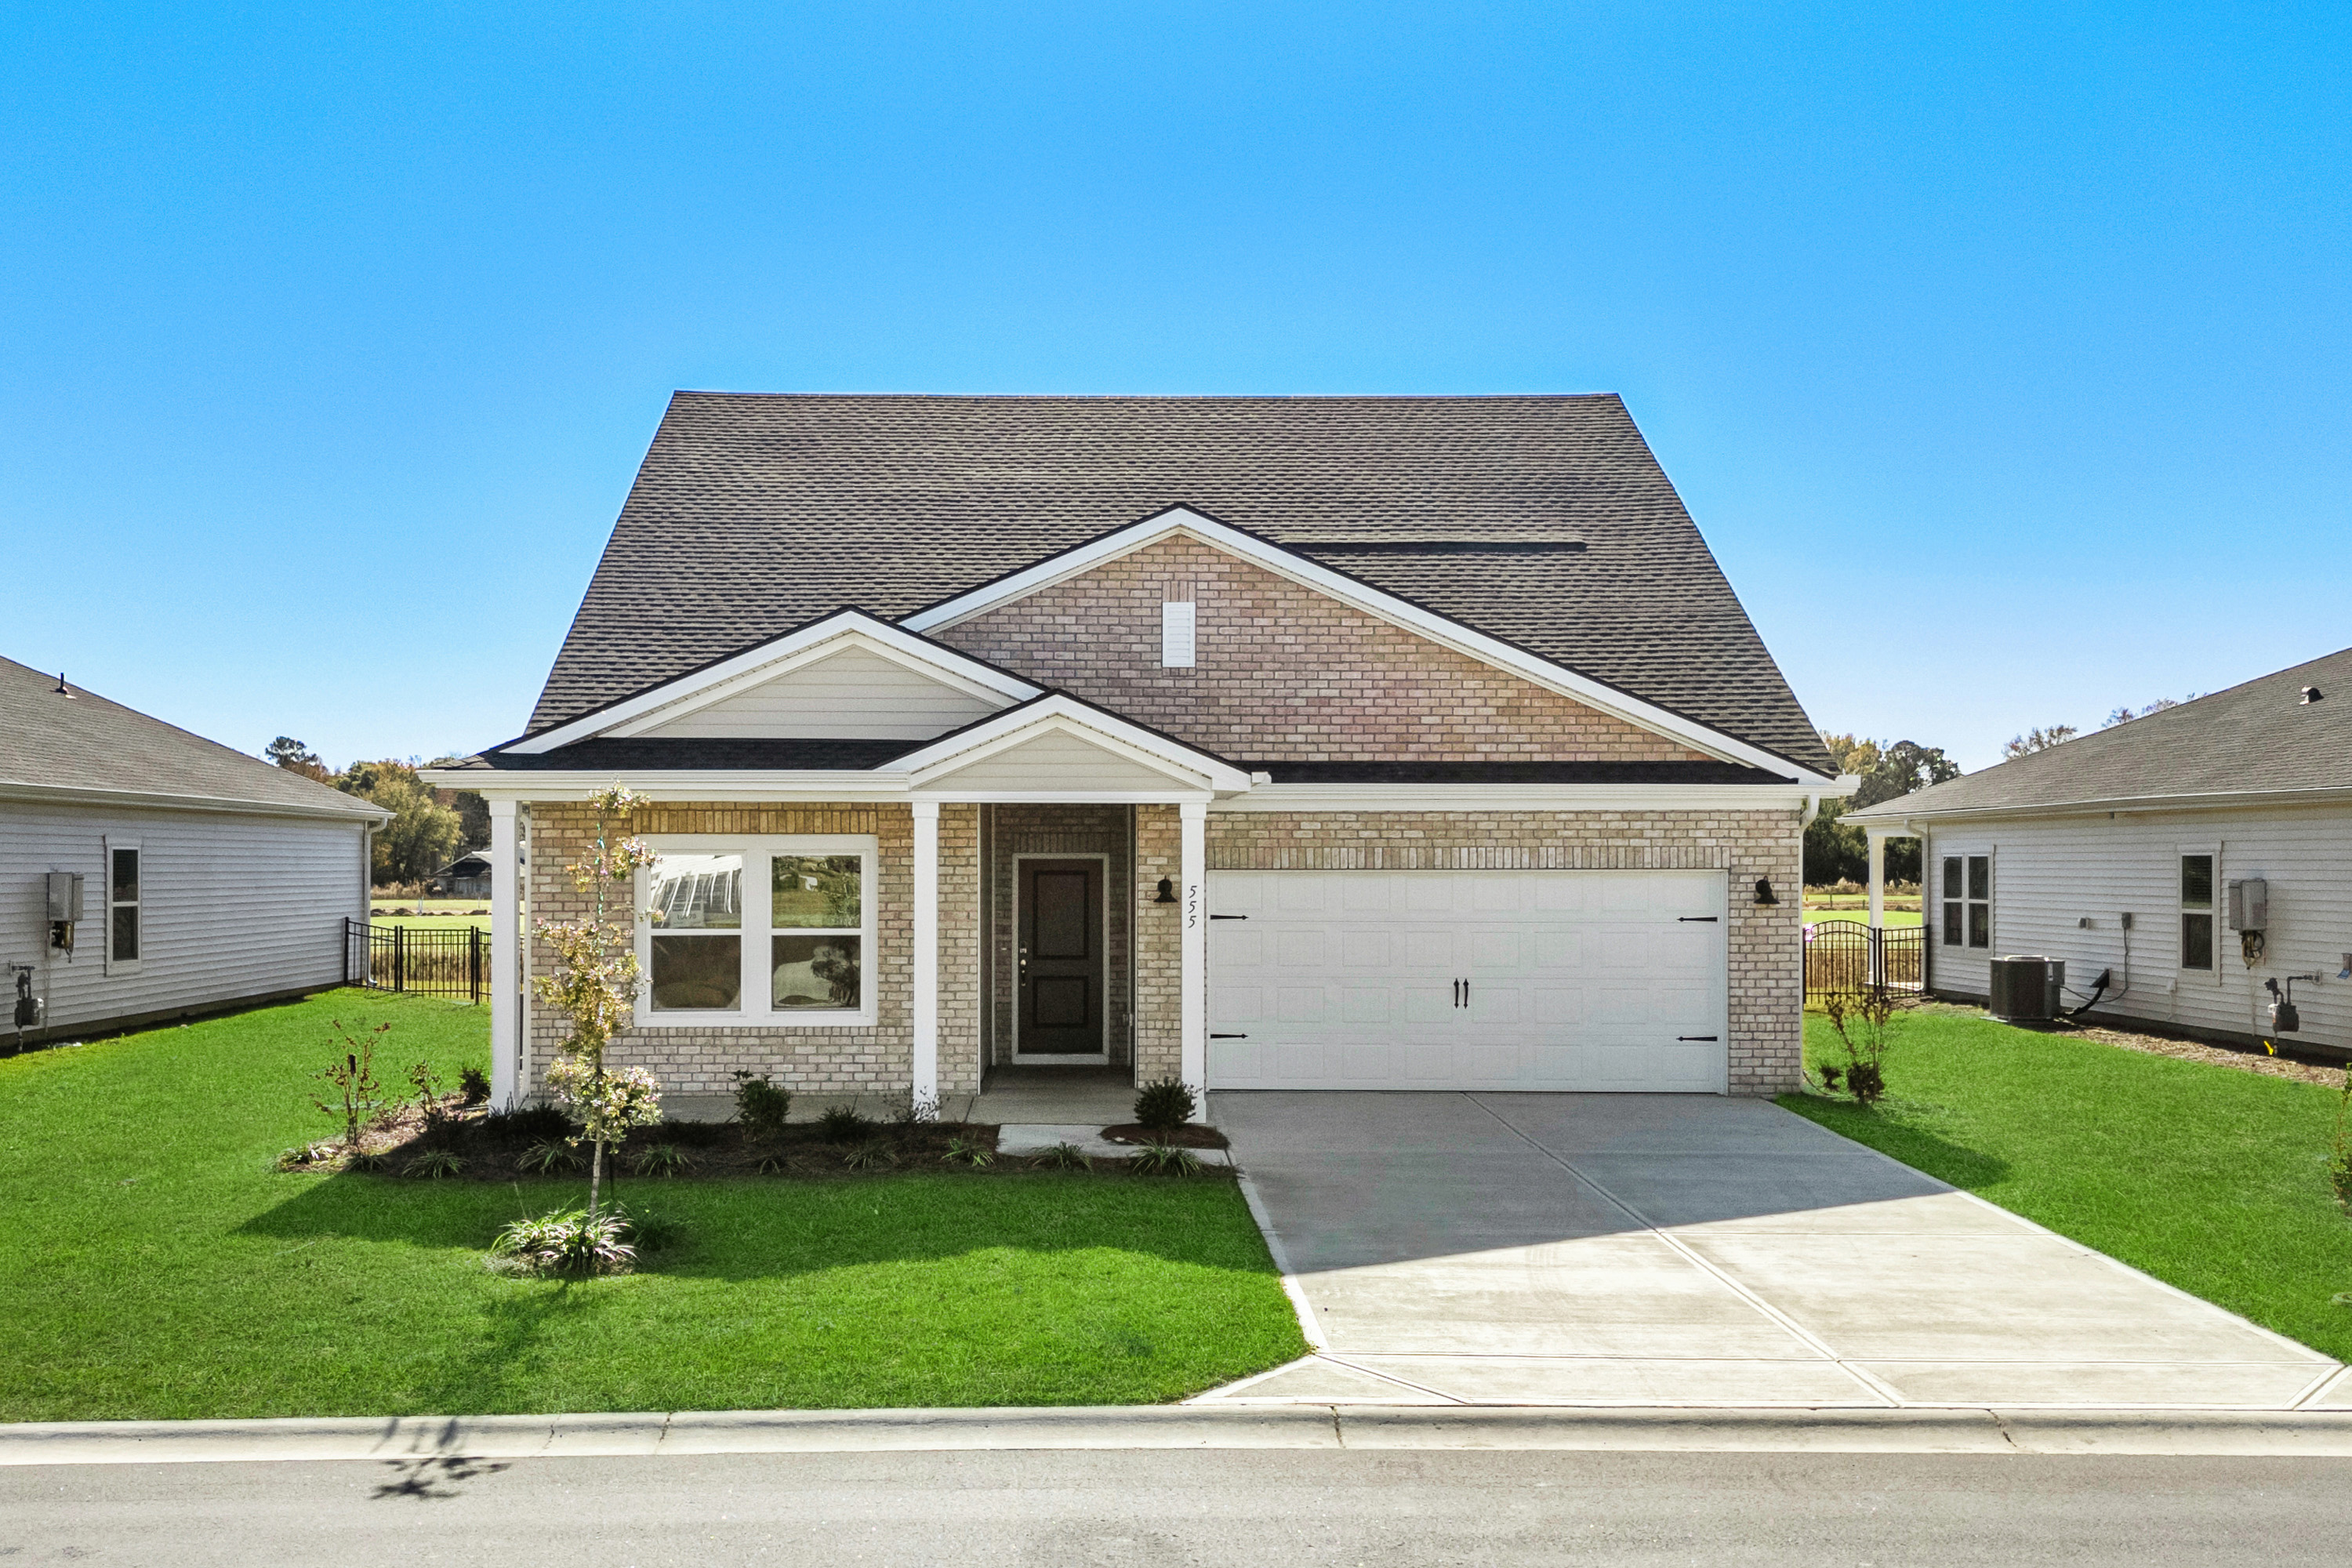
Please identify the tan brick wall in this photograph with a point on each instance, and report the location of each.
(1159, 946)
(1283, 673)
(1026, 829)
(817, 1061)
(1766, 945)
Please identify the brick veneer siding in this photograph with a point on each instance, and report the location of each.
(1159, 946)
(1767, 987)
(1283, 673)
(876, 1059)
(1026, 829)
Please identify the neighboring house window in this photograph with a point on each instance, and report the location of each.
(768, 929)
(2196, 912)
(122, 933)
(1176, 624)
(1968, 900)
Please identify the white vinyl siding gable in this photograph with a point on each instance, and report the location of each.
(853, 695)
(229, 906)
(1057, 760)
(2053, 874)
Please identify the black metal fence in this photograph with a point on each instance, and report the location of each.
(1847, 957)
(428, 962)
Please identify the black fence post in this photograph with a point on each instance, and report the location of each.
(474, 964)
(399, 958)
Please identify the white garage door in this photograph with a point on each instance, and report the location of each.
(1446, 980)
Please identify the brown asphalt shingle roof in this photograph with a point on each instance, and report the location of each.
(753, 513)
(2259, 738)
(85, 742)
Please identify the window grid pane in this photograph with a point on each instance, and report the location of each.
(698, 973)
(124, 947)
(2196, 941)
(1979, 876)
(815, 972)
(2197, 882)
(816, 892)
(1979, 925)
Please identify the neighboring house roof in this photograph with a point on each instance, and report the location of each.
(2259, 740)
(53, 744)
(479, 858)
(1543, 521)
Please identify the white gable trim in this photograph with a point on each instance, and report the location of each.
(1179, 763)
(1181, 521)
(755, 667)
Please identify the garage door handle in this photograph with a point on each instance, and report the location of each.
(1698, 1036)
(1702, 919)
(1229, 917)
(1229, 1036)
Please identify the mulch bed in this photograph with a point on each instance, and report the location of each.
(1191, 1135)
(493, 1147)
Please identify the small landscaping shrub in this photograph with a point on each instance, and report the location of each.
(353, 1079)
(473, 1086)
(874, 1156)
(1866, 1027)
(1166, 1159)
(916, 1112)
(550, 1157)
(436, 1163)
(1164, 1105)
(1062, 1157)
(760, 1106)
(841, 1124)
(661, 1160)
(426, 1084)
(571, 1242)
(979, 1156)
(774, 1165)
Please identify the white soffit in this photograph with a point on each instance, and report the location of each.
(1182, 521)
(756, 666)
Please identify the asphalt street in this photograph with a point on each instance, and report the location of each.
(1161, 1508)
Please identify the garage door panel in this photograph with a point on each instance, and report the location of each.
(1577, 980)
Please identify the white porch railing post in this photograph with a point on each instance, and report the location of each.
(926, 1075)
(1192, 1010)
(506, 953)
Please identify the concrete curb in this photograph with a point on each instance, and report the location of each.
(2317, 1434)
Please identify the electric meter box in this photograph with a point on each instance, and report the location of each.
(65, 896)
(2250, 905)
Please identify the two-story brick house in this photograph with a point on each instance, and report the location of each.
(1273, 742)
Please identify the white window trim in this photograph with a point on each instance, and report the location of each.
(2218, 907)
(1992, 901)
(107, 906)
(757, 849)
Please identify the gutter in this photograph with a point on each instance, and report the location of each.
(358, 814)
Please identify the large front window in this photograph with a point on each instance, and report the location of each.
(770, 929)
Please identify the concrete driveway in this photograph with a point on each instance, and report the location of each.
(1660, 1249)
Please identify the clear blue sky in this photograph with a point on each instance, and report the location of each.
(2001, 353)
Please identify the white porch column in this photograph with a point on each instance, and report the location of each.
(927, 954)
(506, 953)
(1193, 1012)
(1877, 877)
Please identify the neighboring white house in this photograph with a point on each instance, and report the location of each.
(2193, 855)
(207, 877)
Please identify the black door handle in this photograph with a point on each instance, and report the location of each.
(1229, 1036)
(1698, 1036)
(1703, 920)
(1229, 917)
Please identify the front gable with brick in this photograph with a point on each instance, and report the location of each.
(1471, 773)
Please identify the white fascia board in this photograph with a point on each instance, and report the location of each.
(1518, 797)
(2246, 800)
(359, 813)
(723, 679)
(1065, 714)
(1423, 622)
(673, 784)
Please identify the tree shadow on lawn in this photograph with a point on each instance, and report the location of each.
(778, 1228)
(1894, 1128)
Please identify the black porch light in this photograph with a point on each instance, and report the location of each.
(1167, 891)
(1764, 894)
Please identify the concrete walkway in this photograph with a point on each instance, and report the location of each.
(1659, 1250)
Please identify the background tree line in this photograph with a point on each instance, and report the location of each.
(429, 828)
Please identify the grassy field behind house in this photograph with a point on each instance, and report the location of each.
(2209, 1178)
(159, 1266)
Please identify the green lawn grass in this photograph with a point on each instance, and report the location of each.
(2209, 1178)
(158, 1267)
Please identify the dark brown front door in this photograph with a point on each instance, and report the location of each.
(1061, 958)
